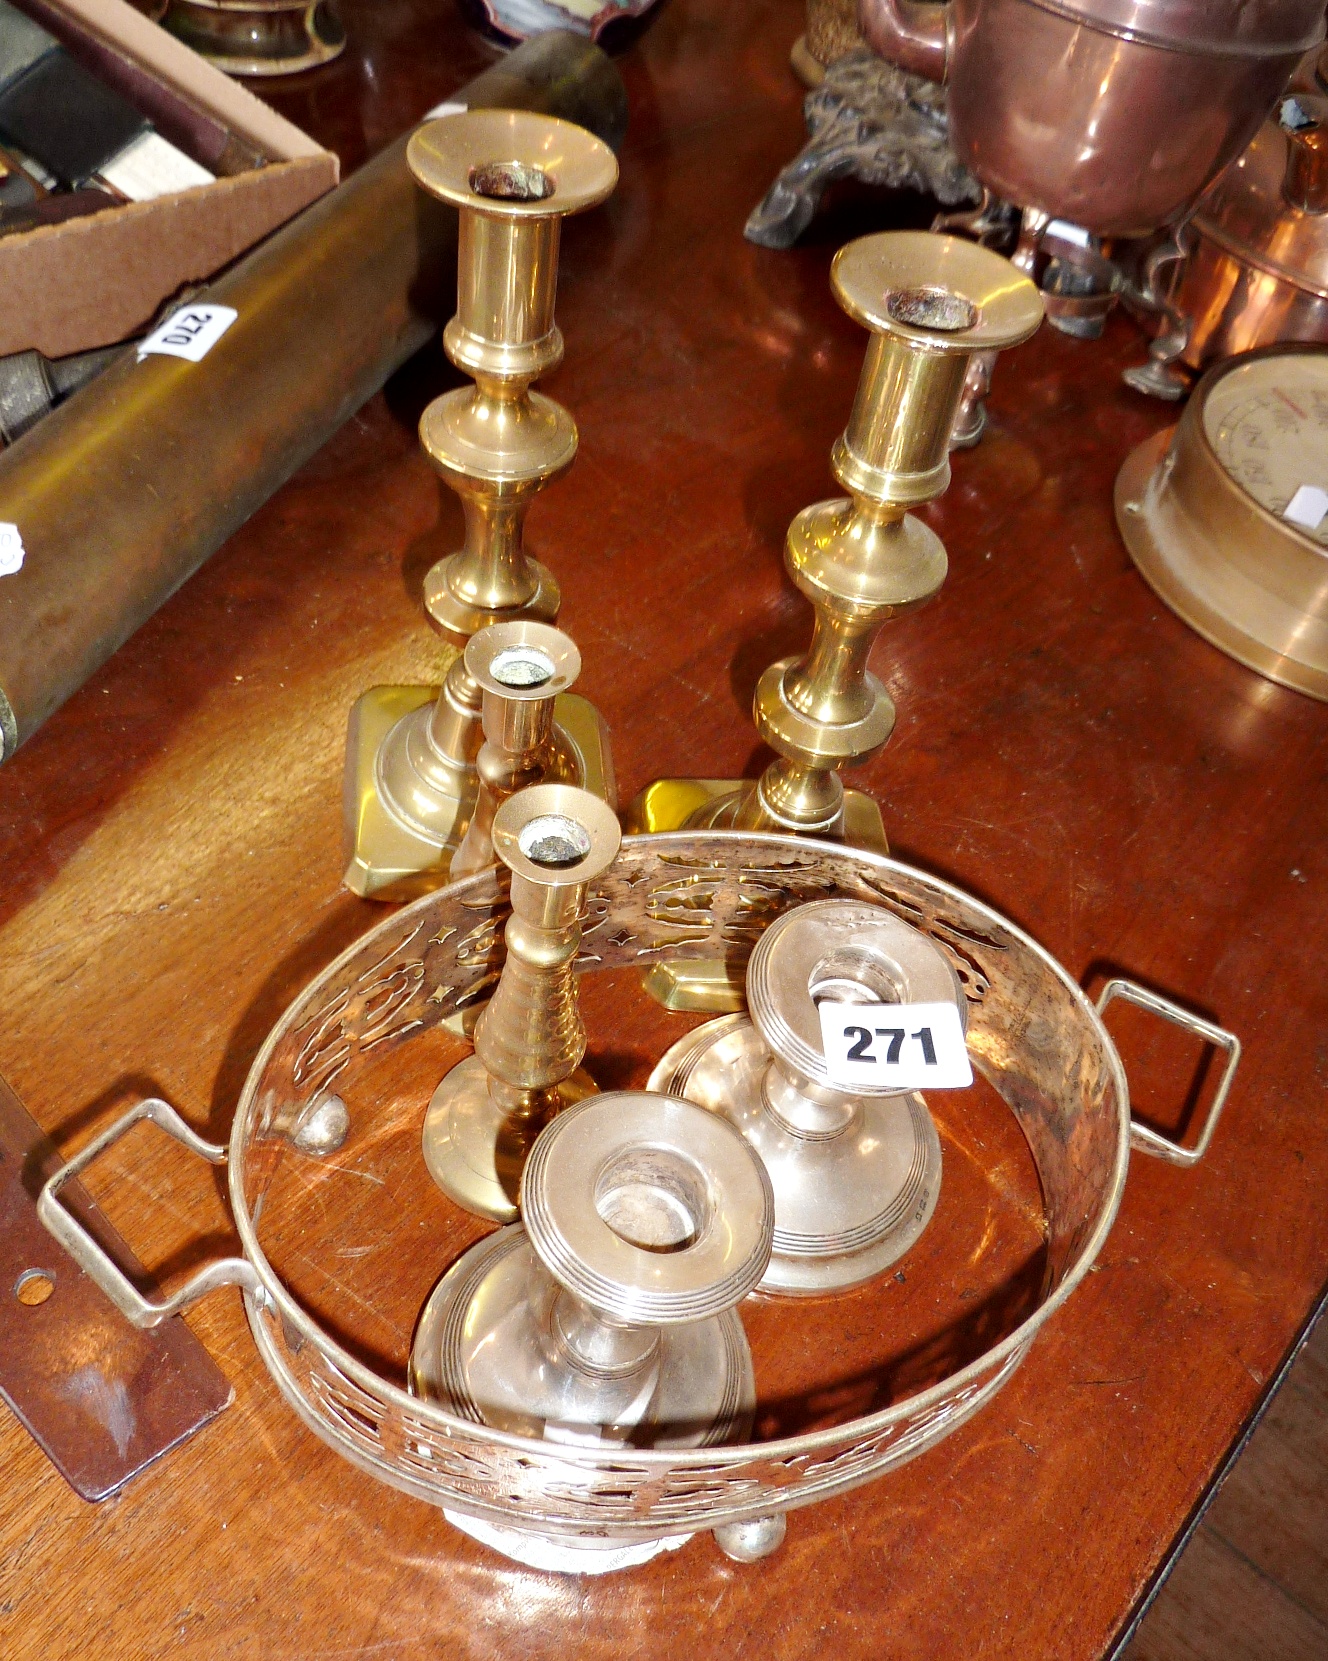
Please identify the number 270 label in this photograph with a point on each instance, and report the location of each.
(907, 1046)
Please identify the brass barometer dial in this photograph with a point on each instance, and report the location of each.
(1267, 421)
(1226, 514)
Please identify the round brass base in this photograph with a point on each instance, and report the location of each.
(847, 1206)
(1261, 611)
(475, 1152)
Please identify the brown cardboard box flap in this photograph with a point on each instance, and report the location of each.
(92, 281)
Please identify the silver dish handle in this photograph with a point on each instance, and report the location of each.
(1152, 1141)
(143, 1312)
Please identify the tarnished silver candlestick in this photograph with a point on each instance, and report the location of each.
(609, 1314)
(856, 1172)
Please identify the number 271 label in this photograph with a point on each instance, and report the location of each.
(905, 1046)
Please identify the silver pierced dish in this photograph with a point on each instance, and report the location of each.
(700, 896)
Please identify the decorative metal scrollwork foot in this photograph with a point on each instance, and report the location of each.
(867, 120)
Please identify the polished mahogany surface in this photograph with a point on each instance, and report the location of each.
(1065, 749)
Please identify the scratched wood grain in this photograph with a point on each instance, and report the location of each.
(1065, 748)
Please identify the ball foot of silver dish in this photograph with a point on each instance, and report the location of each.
(750, 1542)
(856, 1173)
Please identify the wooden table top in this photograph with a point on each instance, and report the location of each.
(1065, 749)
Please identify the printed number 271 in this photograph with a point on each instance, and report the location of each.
(860, 1049)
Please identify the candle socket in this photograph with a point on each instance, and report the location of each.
(482, 1119)
(513, 176)
(932, 304)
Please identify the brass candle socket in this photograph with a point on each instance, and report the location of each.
(513, 177)
(523, 671)
(855, 1172)
(932, 304)
(555, 840)
(609, 1315)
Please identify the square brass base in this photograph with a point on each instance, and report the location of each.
(668, 805)
(385, 859)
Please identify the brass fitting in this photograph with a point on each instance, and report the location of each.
(555, 840)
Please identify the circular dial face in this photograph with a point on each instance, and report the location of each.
(1267, 420)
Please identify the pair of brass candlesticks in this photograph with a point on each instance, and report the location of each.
(412, 780)
(933, 304)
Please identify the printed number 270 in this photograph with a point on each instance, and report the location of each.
(860, 1049)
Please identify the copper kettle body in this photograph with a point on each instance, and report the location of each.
(1113, 114)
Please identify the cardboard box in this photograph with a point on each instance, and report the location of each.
(92, 281)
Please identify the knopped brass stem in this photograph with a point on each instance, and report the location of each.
(933, 303)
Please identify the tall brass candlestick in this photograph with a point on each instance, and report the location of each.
(410, 766)
(932, 303)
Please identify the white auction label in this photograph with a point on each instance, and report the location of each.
(11, 550)
(189, 333)
(895, 1046)
(1307, 507)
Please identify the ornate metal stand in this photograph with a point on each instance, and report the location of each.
(609, 1316)
(856, 1174)
(410, 757)
(869, 121)
(488, 1110)
(932, 303)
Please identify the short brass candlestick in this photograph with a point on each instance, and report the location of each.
(529, 1041)
(521, 669)
(931, 302)
(513, 176)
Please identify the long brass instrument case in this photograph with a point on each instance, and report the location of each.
(932, 303)
(411, 751)
(485, 1114)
